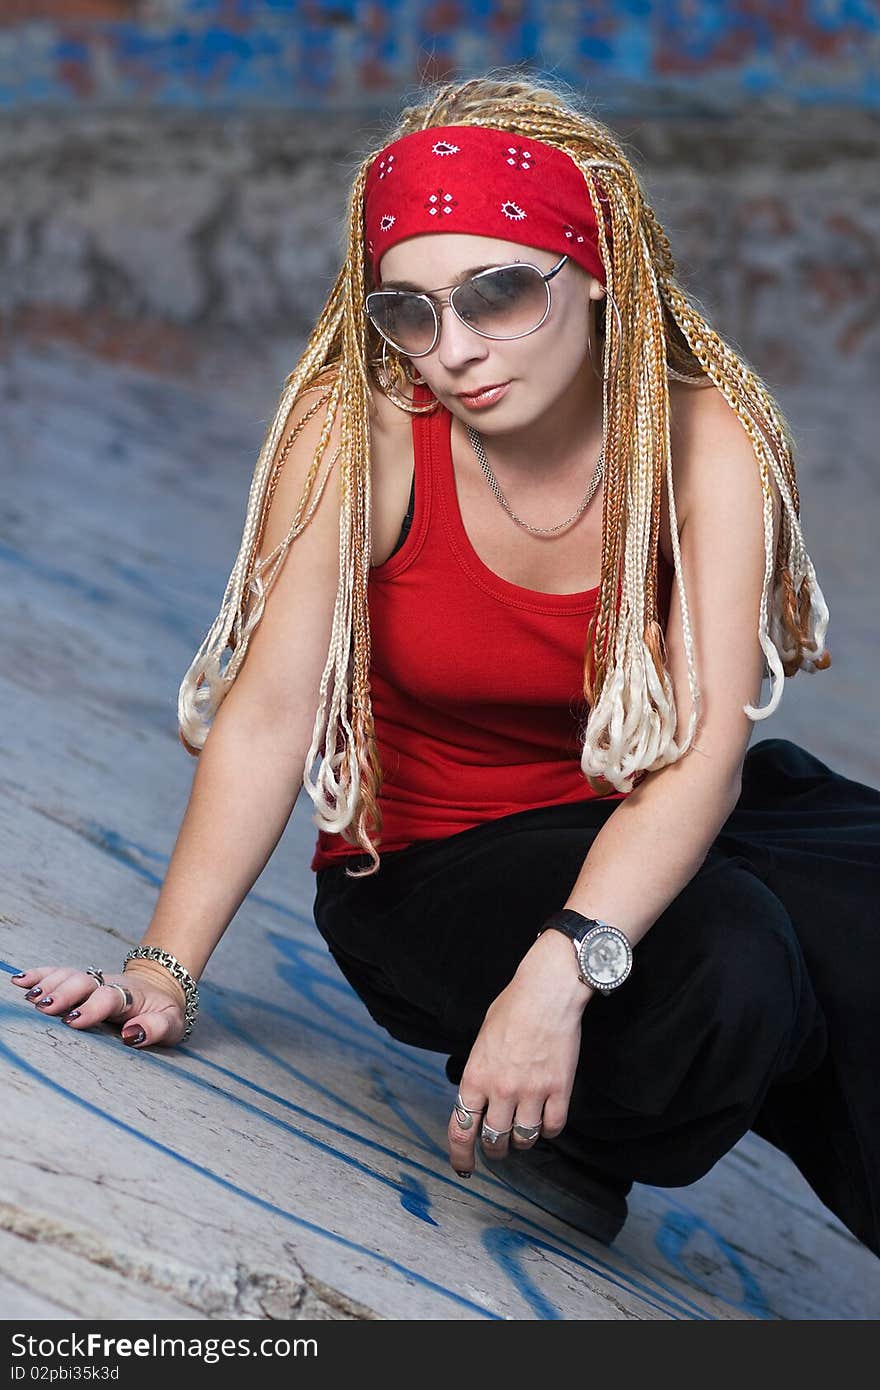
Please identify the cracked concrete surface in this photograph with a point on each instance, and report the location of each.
(288, 1162)
(164, 1288)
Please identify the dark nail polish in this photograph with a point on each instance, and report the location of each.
(462, 1174)
(32, 993)
(74, 1013)
(132, 1039)
(19, 976)
(46, 999)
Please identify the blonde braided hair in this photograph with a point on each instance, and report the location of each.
(631, 724)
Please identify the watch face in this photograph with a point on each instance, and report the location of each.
(604, 957)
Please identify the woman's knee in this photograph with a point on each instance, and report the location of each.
(717, 1000)
(726, 941)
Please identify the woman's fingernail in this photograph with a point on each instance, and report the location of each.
(74, 1013)
(19, 976)
(32, 993)
(462, 1174)
(46, 999)
(132, 1039)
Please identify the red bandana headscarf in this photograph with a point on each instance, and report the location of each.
(465, 178)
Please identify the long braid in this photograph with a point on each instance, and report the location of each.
(631, 725)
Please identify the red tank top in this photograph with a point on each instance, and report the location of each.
(476, 683)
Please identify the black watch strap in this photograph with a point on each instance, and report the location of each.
(573, 924)
(604, 973)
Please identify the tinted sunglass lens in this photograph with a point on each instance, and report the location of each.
(503, 303)
(405, 319)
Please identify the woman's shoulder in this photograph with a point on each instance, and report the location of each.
(386, 419)
(716, 475)
(695, 417)
(391, 461)
(706, 433)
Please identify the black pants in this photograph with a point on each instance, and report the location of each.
(753, 1000)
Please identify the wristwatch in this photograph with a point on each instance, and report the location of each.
(604, 955)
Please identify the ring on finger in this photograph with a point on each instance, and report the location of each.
(463, 1114)
(460, 1105)
(527, 1132)
(492, 1136)
(127, 1000)
(96, 974)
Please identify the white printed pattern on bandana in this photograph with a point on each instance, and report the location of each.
(572, 233)
(386, 166)
(440, 202)
(520, 159)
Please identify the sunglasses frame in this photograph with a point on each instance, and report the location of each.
(436, 306)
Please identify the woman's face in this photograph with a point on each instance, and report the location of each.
(542, 368)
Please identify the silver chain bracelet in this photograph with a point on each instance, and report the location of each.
(181, 975)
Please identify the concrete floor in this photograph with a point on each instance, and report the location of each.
(288, 1162)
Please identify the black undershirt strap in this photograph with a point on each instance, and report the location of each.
(407, 520)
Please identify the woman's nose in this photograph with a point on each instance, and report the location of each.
(457, 342)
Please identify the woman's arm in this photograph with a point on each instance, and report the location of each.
(249, 772)
(245, 786)
(656, 839)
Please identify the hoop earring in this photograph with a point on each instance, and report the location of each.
(416, 380)
(388, 377)
(613, 372)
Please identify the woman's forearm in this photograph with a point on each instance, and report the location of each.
(653, 844)
(245, 786)
(646, 852)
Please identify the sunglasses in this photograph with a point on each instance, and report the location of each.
(509, 301)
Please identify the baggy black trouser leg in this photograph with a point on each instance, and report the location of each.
(815, 837)
(719, 1029)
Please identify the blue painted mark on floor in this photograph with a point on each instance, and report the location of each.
(54, 574)
(413, 1193)
(306, 970)
(383, 1092)
(672, 1304)
(672, 1241)
(164, 613)
(272, 1208)
(508, 1245)
(414, 1198)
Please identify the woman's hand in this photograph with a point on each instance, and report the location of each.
(146, 1001)
(521, 1067)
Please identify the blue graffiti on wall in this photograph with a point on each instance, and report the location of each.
(341, 54)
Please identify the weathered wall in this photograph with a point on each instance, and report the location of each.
(697, 54)
(237, 222)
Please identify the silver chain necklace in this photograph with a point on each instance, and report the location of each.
(480, 452)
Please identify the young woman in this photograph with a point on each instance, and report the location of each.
(525, 533)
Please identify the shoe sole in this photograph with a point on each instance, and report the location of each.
(602, 1220)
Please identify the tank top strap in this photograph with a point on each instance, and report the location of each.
(415, 525)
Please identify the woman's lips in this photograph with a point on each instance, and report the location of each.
(488, 397)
